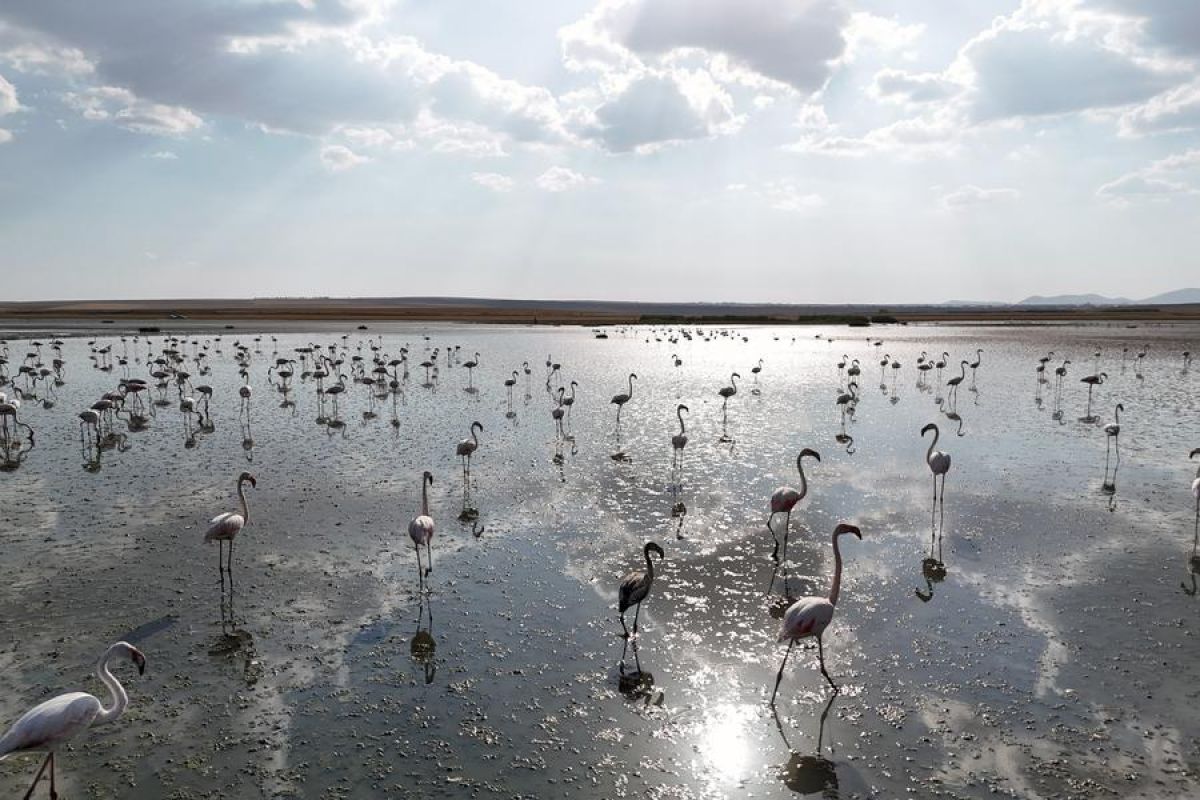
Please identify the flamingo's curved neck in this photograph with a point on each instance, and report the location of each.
(649, 564)
(933, 444)
(242, 497)
(679, 415)
(630, 387)
(963, 368)
(424, 498)
(803, 480)
(837, 573)
(474, 436)
(120, 699)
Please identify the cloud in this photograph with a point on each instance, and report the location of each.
(1141, 187)
(164, 155)
(132, 113)
(970, 196)
(935, 134)
(657, 109)
(1176, 110)
(907, 88)
(1031, 72)
(310, 68)
(561, 179)
(338, 158)
(1173, 176)
(785, 195)
(1173, 25)
(792, 42)
(8, 97)
(493, 180)
(867, 31)
(29, 53)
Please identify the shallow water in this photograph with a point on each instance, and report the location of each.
(1056, 657)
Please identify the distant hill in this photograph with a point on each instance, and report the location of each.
(1177, 297)
(1171, 298)
(1074, 300)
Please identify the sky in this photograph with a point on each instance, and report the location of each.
(793, 151)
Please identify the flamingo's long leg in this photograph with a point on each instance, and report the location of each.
(779, 675)
(37, 778)
(821, 658)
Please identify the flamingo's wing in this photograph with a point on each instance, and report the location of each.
(633, 590)
(48, 724)
(224, 526)
(420, 530)
(808, 616)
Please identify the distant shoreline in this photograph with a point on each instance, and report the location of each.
(555, 312)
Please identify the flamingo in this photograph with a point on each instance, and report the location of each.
(509, 383)
(621, 399)
(558, 411)
(89, 419)
(785, 498)
(1092, 382)
(570, 401)
(635, 586)
(810, 616)
(468, 446)
(56, 722)
(1196, 486)
(1061, 372)
(756, 370)
(938, 461)
(727, 392)
(975, 364)
(420, 529)
(224, 527)
(244, 391)
(470, 365)
(953, 383)
(847, 399)
(1112, 431)
(680, 440)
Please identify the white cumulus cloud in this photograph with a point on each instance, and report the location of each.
(561, 179)
(338, 158)
(494, 181)
(970, 195)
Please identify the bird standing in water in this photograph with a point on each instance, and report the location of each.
(810, 616)
(56, 722)
(225, 527)
(785, 498)
(420, 529)
(635, 586)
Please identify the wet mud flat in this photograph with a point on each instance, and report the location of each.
(1053, 655)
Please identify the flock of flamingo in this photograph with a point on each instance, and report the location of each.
(48, 726)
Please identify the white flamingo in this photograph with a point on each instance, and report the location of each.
(680, 440)
(467, 447)
(938, 461)
(785, 498)
(56, 722)
(729, 391)
(225, 527)
(810, 616)
(420, 529)
(621, 399)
